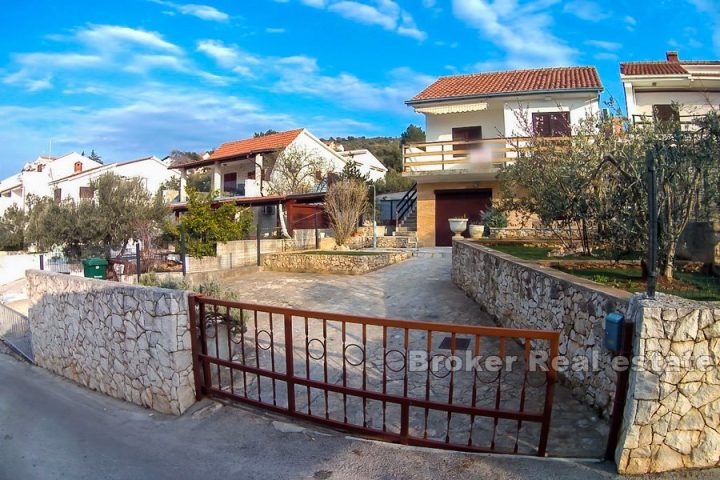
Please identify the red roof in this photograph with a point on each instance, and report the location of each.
(652, 68)
(512, 82)
(274, 141)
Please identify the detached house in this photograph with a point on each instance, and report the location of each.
(36, 176)
(653, 88)
(468, 122)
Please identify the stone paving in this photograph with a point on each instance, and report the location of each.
(418, 289)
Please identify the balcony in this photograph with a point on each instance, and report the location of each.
(685, 122)
(481, 157)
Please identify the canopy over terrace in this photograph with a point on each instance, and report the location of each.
(303, 210)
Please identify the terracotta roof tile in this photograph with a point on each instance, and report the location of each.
(512, 82)
(652, 68)
(274, 141)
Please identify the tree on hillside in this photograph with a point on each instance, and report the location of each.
(351, 171)
(178, 157)
(394, 182)
(412, 134)
(95, 157)
(12, 228)
(265, 133)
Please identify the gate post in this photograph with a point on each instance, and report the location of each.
(193, 317)
(289, 363)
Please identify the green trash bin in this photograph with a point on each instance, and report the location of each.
(95, 268)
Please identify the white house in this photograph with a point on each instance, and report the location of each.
(244, 168)
(468, 119)
(367, 163)
(652, 88)
(35, 177)
(151, 170)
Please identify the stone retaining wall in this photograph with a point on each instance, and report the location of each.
(672, 415)
(325, 263)
(521, 294)
(382, 242)
(129, 342)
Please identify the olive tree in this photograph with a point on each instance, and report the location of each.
(295, 170)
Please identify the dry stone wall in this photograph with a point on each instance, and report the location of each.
(327, 263)
(522, 294)
(672, 415)
(129, 342)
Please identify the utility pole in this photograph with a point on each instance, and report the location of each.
(374, 222)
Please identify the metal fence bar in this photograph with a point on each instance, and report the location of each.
(15, 331)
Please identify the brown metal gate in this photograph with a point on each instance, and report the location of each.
(365, 374)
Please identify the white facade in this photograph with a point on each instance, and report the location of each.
(36, 177)
(367, 163)
(150, 170)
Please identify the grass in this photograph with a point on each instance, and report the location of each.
(350, 253)
(542, 253)
(694, 286)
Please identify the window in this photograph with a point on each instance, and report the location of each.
(465, 134)
(230, 183)
(666, 113)
(551, 124)
(251, 175)
(40, 168)
(86, 193)
(57, 194)
(78, 167)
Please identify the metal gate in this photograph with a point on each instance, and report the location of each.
(485, 389)
(15, 331)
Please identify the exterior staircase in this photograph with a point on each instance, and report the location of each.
(406, 218)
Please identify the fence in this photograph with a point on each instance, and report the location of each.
(15, 331)
(357, 373)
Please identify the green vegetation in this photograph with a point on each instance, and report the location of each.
(694, 286)
(204, 225)
(12, 229)
(529, 252)
(349, 253)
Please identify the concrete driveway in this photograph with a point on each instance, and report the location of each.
(51, 429)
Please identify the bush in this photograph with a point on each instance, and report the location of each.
(494, 218)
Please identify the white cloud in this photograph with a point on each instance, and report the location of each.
(586, 10)
(712, 10)
(629, 20)
(229, 57)
(386, 14)
(604, 45)
(113, 37)
(145, 63)
(606, 56)
(203, 12)
(275, 30)
(521, 31)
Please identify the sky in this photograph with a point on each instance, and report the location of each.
(143, 77)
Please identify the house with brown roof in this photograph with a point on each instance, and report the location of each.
(653, 90)
(468, 122)
(245, 168)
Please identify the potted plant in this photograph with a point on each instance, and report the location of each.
(458, 225)
(477, 230)
(494, 219)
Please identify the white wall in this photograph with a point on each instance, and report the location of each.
(693, 103)
(311, 144)
(578, 106)
(438, 128)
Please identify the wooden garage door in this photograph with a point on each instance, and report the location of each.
(456, 203)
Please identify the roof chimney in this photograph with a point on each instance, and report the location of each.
(672, 56)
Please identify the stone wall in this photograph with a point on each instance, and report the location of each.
(525, 234)
(129, 342)
(672, 415)
(382, 242)
(521, 294)
(324, 263)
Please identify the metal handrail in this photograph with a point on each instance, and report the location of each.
(402, 209)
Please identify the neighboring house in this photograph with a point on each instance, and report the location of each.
(652, 89)
(36, 176)
(367, 163)
(151, 170)
(244, 168)
(468, 119)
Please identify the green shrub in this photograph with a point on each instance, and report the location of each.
(494, 218)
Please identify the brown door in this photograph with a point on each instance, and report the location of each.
(456, 203)
(230, 183)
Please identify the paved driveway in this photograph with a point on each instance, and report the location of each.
(421, 289)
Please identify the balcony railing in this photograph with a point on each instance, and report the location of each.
(686, 122)
(483, 156)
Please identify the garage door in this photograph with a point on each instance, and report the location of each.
(456, 203)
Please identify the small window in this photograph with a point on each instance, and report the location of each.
(551, 124)
(57, 194)
(40, 168)
(666, 113)
(86, 193)
(466, 134)
(251, 175)
(318, 175)
(78, 167)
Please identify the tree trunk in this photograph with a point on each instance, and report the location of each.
(669, 261)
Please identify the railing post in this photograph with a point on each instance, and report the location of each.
(257, 246)
(549, 395)
(317, 234)
(183, 258)
(621, 387)
(137, 259)
(42, 262)
(192, 315)
(289, 362)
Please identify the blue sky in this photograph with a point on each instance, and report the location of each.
(142, 77)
